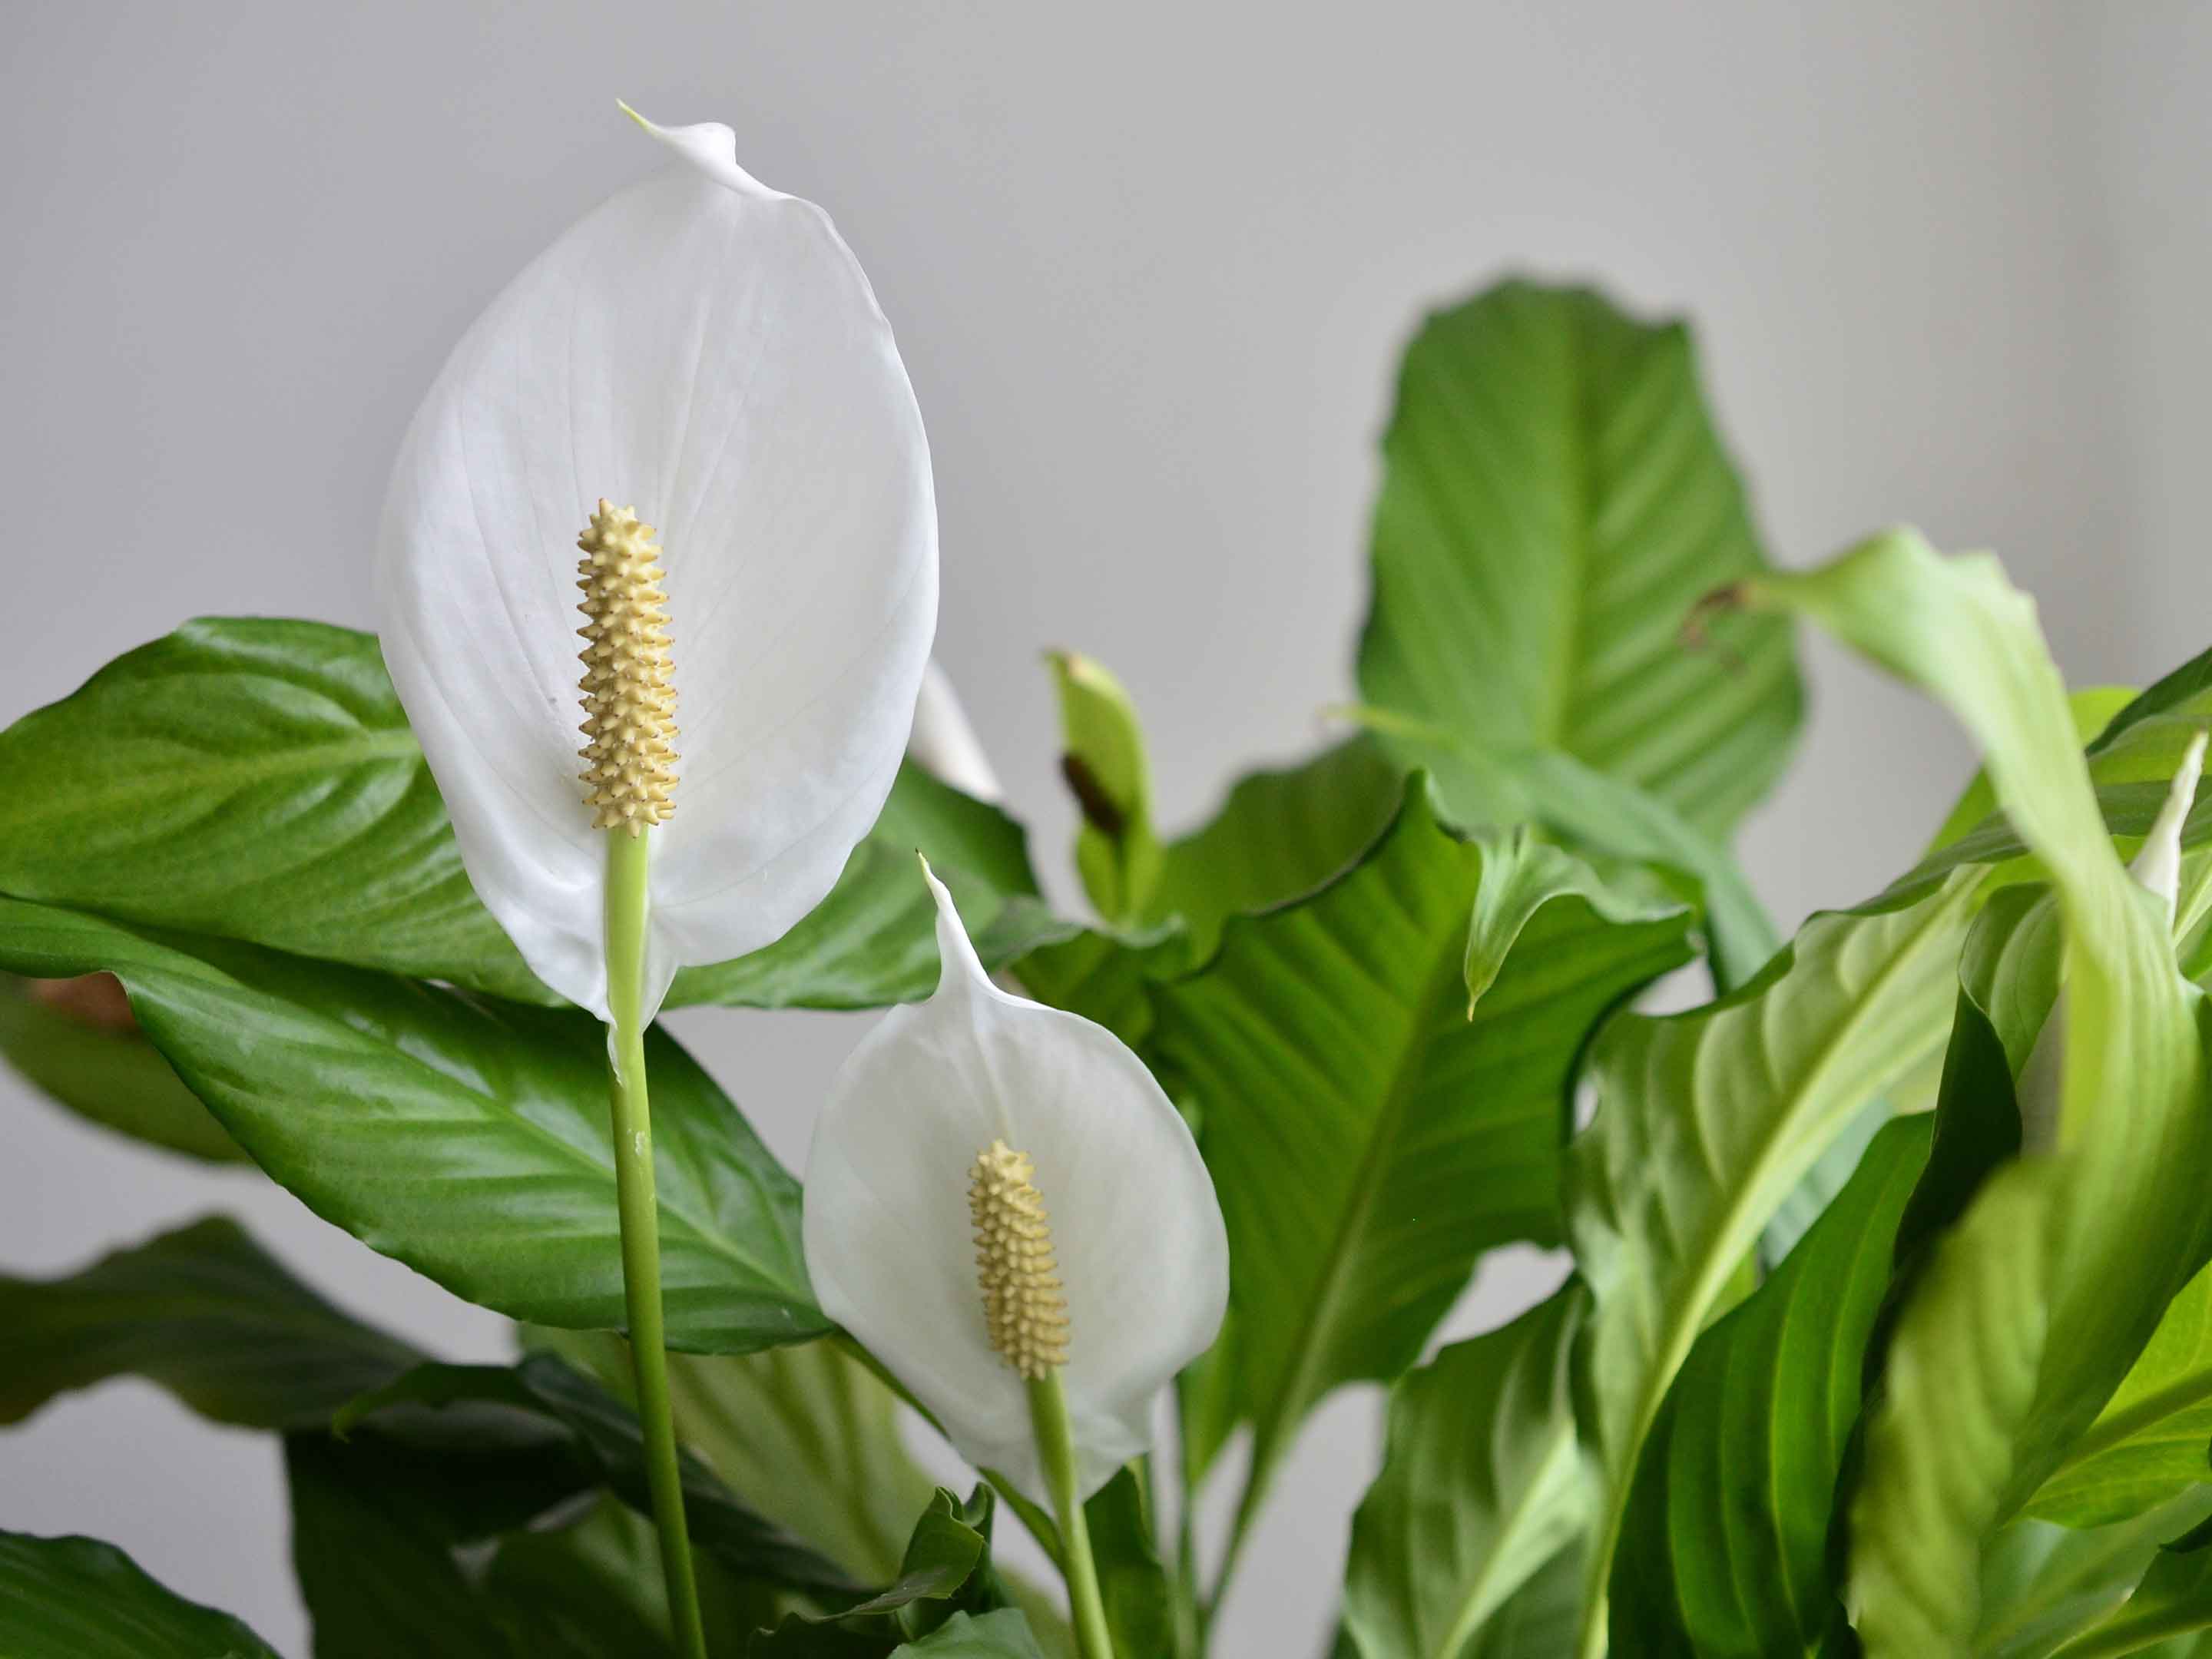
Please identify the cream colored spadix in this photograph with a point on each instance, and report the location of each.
(706, 351)
(629, 694)
(999, 1193)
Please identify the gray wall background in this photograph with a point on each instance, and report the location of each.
(1150, 265)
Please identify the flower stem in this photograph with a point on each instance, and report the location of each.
(641, 1225)
(1055, 1444)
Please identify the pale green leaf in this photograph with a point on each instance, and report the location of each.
(2064, 1264)
(1706, 1120)
(2042, 1583)
(2149, 1440)
(1102, 758)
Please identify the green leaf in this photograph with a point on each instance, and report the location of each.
(464, 1137)
(873, 940)
(252, 779)
(1369, 1139)
(75, 1598)
(608, 1446)
(256, 780)
(807, 1432)
(1706, 1123)
(1277, 836)
(390, 1534)
(2042, 1584)
(2170, 1613)
(1554, 502)
(946, 1571)
(1132, 1581)
(1102, 758)
(1001, 1635)
(2066, 1261)
(1725, 1552)
(203, 1312)
(1538, 1621)
(1482, 1485)
(2148, 1443)
(103, 1070)
(2093, 708)
(1597, 816)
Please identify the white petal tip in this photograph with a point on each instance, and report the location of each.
(961, 969)
(712, 149)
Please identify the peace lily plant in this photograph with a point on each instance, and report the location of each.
(1879, 1296)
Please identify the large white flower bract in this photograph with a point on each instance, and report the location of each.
(1143, 1257)
(707, 350)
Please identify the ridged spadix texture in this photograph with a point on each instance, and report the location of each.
(705, 350)
(628, 685)
(976, 1082)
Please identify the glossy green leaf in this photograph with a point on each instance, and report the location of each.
(251, 779)
(1555, 500)
(203, 1312)
(807, 1433)
(466, 1138)
(606, 1443)
(1725, 1552)
(1482, 1486)
(75, 1598)
(2065, 1262)
(104, 1071)
(2169, 1615)
(1369, 1139)
(256, 780)
(1706, 1123)
(1117, 852)
(2042, 1583)
(2148, 1443)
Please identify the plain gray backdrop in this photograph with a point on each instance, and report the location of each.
(1150, 265)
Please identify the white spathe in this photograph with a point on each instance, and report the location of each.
(1143, 1257)
(707, 350)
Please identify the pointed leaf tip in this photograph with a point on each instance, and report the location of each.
(2157, 865)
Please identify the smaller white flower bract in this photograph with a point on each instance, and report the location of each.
(1143, 1254)
(707, 350)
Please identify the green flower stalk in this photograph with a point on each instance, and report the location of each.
(629, 707)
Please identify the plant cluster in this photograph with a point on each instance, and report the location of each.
(1888, 1328)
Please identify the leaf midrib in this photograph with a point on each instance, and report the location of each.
(711, 1238)
(2194, 1389)
(1291, 1400)
(1564, 1448)
(1682, 1331)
